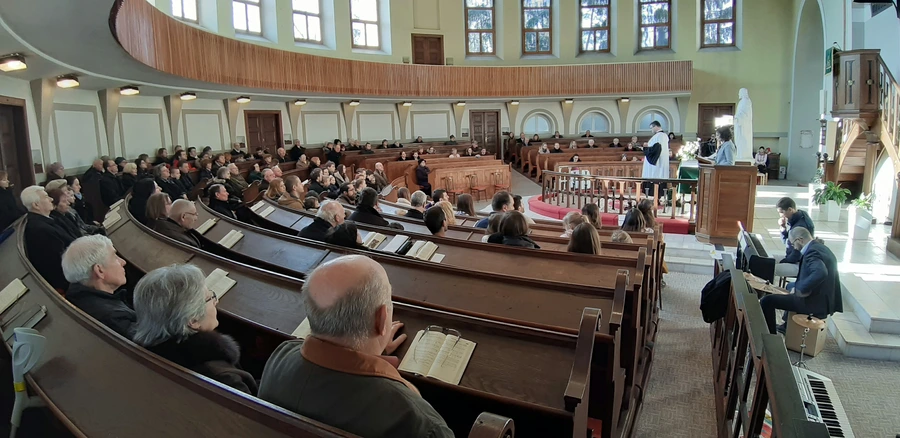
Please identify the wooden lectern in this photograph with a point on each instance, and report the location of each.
(727, 196)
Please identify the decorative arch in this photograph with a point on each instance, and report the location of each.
(601, 111)
(554, 125)
(635, 123)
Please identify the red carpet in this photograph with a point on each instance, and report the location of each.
(537, 205)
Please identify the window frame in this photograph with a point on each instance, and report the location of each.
(591, 113)
(182, 17)
(247, 4)
(641, 26)
(294, 14)
(650, 111)
(704, 22)
(550, 125)
(377, 22)
(608, 28)
(480, 32)
(525, 30)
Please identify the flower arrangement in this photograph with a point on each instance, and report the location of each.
(688, 151)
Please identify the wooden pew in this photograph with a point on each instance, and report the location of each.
(352, 159)
(503, 371)
(625, 169)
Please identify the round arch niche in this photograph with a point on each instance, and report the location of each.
(808, 66)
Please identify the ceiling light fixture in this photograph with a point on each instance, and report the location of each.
(12, 62)
(243, 99)
(354, 102)
(407, 103)
(625, 99)
(67, 81)
(515, 102)
(460, 104)
(129, 90)
(570, 101)
(300, 102)
(188, 96)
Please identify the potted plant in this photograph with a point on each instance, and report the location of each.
(859, 216)
(831, 197)
(814, 184)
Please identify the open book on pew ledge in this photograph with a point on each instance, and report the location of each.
(373, 239)
(231, 238)
(218, 282)
(204, 227)
(257, 206)
(438, 355)
(402, 245)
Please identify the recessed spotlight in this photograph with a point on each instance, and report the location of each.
(460, 104)
(243, 99)
(515, 102)
(354, 102)
(407, 103)
(67, 81)
(188, 96)
(570, 101)
(300, 102)
(12, 62)
(129, 90)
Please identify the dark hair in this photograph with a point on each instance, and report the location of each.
(345, 187)
(494, 223)
(634, 221)
(724, 133)
(646, 209)
(786, 203)
(671, 136)
(310, 202)
(585, 240)
(656, 124)
(517, 202)
(343, 235)
(368, 197)
(290, 182)
(315, 174)
(435, 218)
(403, 193)
(437, 195)
(591, 212)
(464, 204)
(762, 147)
(514, 224)
(500, 199)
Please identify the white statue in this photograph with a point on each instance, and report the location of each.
(743, 126)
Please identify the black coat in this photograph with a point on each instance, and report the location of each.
(334, 157)
(66, 224)
(186, 182)
(368, 215)
(714, 297)
(110, 189)
(111, 309)
(212, 354)
(819, 282)
(316, 230)
(207, 174)
(422, 176)
(45, 243)
(137, 205)
(127, 180)
(169, 228)
(415, 214)
(169, 187)
(10, 210)
(523, 241)
(225, 208)
(90, 175)
(83, 209)
(296, 152)
(52, 176)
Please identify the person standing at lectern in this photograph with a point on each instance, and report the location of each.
(725, 154)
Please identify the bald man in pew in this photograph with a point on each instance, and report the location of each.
(339, 374)
(330, 214)
(180, 223)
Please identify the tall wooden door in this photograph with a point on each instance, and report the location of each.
(428, 49)
(707, 113)
(484, 127)
(15, 153)
(263, 130)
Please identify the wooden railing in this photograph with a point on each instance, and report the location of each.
(615, 194)
(889, 106)
(752, 372)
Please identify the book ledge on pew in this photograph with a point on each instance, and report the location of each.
(402, 245)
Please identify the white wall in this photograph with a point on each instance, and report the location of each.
(203, 123)
(883, 32)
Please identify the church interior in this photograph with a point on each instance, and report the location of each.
(482, 218)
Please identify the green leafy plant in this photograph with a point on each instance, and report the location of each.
(864, 201)
(831, 192)
(820, 175)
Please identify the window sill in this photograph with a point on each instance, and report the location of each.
(252, 37)
(540, 56)
(369, 51)
(308, 45)
(475, 57)
(646, 52)
(719, 49)
(595, 55)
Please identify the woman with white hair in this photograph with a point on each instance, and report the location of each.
(176, 319)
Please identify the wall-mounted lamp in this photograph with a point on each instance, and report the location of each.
(129, 90)
(569, 101)
(243, 99)
(354, 103)
(515, 102)
(67, 81)
(12, 62)
(300, 102)
(626, 99)
(188, 96)
(407, 103)
(460, 104)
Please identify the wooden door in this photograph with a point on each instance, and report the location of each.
(15, 153)
(707, 113)
(428, 49)
(484, 127)
(263, 130)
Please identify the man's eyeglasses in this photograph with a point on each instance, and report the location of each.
(214, 298)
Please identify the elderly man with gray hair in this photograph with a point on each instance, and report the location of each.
(176, 319)
(45, 240)
(180, 223)
(96, 273)
(417, 201)
(337, 375)
(330, 214)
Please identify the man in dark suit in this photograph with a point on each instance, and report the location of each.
(110, 187)
(330, 214)
(417, 202)
(44, 240)
(95, 171)
(816, 292)
(96, 274)
(180, 223)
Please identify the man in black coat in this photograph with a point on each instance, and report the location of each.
(816, 292)
(366, 213)
(330, 214)
(110, 186)
(221, 203)
(96, 273)
(180, 223)
(165, 182)
(45, 241)
(95, 172)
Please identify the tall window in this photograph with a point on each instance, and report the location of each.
(364, 23)
(536, 28)
(185, 10)
(479, 27)
(655, 24)
(307, 21)
(246, 16)
(718, 23)
(537, 124)
(594, 122)
(594, 25)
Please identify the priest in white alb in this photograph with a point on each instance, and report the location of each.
(656, 154)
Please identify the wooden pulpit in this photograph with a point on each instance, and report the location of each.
(727, 195)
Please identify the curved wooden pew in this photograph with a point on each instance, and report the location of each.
(515, 371)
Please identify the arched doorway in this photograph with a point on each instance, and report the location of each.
(884, 186)
(809, 63)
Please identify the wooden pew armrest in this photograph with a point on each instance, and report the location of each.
(489, 425)
(579, 379)
(618, 307)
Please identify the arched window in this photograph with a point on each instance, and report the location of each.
(594, 122)
(650, 116)
(538, 124)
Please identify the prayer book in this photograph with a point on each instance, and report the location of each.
(396, 243)
(373, 239)
(438, 355)
(437, 258)
(11, 293)
(111, 219)
(257, 206)
(231, 238)
(116, 205)
(267, 211)
(302, 331)
(219, 283)
(422, 250)
(204, 227)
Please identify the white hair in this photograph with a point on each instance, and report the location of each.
(166, 301)
(328, 213)
(418, 199)
(82, 255)
(31, 195)
(267, 170)
(799, 233)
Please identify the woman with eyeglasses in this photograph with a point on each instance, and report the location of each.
(176, 319)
